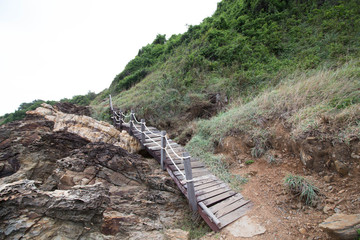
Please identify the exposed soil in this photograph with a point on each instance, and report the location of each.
(283, 215)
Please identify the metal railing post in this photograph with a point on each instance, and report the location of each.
(131, 122)
(143, 132)
(163, 146)
(189, 182)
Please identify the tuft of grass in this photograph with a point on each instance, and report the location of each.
(201, 148)
(195, 226)
(248, 162)
(271, 159)
(302, 188)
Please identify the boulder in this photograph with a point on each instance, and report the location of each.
(342, 226)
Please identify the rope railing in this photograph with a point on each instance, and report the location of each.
(166, 149)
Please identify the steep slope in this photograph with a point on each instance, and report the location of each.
(245, 47)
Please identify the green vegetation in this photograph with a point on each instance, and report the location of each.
(83, 100)
(302, 188)
(289, 61)
(20, 113)
(249, 162)
(244, 48)
(193, 225)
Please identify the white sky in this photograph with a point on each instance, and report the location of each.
(52, 49)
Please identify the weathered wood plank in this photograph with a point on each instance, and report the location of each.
(208, 184)
(225, 203)
(234, 215)
(212, 194)
(228, 209)
(218, 198)
(194, 165)
(206, 180)
(220, 186)
(194, 171)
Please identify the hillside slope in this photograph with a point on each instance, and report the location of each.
(244, 48)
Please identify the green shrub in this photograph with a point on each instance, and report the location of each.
(248, 162)
(302, 188)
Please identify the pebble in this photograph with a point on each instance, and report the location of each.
(327, 209)
(302, 231)
(330, 187)
(337, 210)
(328, 179)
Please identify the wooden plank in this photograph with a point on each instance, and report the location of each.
(218, 198)
(225, 203)
(150, 144)
(234, 215)
(199, 179)
(195, 175)
(206, 218)
(194, 165)
(217, 187)
(204, 181)
(156, 139)
(194, 171)
(212, 194)
(208, 184)
(228, 209)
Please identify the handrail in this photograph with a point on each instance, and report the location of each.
(168, 148)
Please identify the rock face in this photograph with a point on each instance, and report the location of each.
(342, 226)
(245, 227)
(59, 180)
(84, 126)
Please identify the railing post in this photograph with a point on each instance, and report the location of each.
(121, 119)
(143, 132)
(110, 102)
(163, 146)
(131, 122)
(189, 183)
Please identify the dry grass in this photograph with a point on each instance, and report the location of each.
(305, 102)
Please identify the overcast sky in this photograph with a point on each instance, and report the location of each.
(52, 49)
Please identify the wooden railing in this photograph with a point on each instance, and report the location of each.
(120, 118)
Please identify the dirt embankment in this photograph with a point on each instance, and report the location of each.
(332, 166)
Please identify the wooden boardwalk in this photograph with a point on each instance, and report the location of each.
(217, 204)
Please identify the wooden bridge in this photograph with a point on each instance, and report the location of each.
(216, 203)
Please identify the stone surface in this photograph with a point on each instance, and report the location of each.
(245, 227)
(85, 127)
(342, 226)
(59, 179)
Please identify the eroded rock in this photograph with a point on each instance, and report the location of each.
(342, 226)
(60, 183)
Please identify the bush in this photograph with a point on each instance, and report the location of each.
(302, 188)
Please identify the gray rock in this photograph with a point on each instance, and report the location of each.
(245, 227)
(342, 226)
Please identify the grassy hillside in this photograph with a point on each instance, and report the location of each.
(244, 48)
(248, 67)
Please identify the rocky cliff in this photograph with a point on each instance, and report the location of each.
(68, 176)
